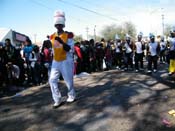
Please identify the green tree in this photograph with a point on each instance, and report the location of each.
(78, 38)
(129, 28)
(109, 31)
(167, 30)
(120, 32)
(98, 38)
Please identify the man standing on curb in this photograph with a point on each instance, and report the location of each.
(63, 48)
(172, 53)
(139, 52)
(152, 51)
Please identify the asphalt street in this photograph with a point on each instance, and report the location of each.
(106, 101)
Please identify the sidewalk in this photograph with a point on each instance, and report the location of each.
(107, 101)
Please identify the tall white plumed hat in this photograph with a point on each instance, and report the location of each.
(128, 37)
(117, 37)
(140, 34)
(59, 17)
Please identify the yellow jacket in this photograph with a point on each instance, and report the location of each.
(59, 54)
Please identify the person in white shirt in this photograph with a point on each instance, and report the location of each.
(162, 50)
(35, 64)
(139, 52)
(118, 52)
(152, 51)
(128, 52)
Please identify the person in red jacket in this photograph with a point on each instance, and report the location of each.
(77, 58)
(47, 57)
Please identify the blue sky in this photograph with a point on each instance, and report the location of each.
(36, 16)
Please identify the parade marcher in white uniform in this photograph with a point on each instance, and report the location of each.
(128, 52)
(162, 50)
(118, 52)
(139, 52)
(63, 48)
(172, 53)
(152, 52)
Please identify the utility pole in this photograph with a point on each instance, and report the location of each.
(35, 37)
(162, 22)
(151, 13)
(87, 31)
(95, 33)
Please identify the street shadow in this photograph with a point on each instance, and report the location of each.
(94, 108)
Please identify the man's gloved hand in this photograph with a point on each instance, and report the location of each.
(59, 40)
(65, 46)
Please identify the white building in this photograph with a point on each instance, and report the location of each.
(15, 37)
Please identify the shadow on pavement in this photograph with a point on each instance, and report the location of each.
(106, 101)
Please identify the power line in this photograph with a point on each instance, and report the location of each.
(94, 4)
(40, 4)
(83, 8)
(50, 9)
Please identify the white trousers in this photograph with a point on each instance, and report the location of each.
(66, 69)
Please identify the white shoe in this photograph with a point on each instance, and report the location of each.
(141, 69)
(57, 104)
(70, 99)
(170, 73)
(125, 69)
(154, 70)
(149, 71)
